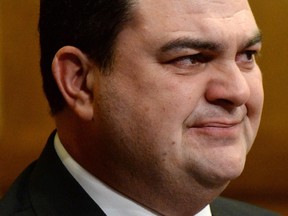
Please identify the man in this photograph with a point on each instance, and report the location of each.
(156, 105)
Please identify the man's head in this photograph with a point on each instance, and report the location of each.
(172, 122)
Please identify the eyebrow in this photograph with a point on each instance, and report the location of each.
(257, 38)
(186, 42)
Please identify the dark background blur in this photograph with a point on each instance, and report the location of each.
(25, 122)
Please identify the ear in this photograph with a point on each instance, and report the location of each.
(73, 72)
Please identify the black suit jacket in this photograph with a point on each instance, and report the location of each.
(46, 188)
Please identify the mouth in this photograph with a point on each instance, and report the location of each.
(218, 128)
(215, 125)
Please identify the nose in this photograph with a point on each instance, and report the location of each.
(228, 86)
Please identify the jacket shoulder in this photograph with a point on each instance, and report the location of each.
(17, 201)
(223, 206)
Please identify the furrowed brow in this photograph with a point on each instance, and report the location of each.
(188, 43)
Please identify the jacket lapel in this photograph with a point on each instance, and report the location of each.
(54, 191)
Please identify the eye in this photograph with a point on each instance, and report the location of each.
(190, 61)
(247, 56)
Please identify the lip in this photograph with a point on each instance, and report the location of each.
(218, 128)
(216, 125)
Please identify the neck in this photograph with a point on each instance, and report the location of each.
(161, 195)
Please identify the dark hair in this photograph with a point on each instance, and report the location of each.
(90, 25)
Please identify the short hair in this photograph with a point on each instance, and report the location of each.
(90, 25)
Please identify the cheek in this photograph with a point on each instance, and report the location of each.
(154, 103)
(255, 103)
(257, 95)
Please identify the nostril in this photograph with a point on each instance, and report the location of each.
(226, 104)
(222, 102)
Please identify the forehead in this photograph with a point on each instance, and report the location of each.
(192, 5)
(200, 18)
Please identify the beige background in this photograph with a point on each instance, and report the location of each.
(25, 122)
(25, 116)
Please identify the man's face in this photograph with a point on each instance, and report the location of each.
(184, 98)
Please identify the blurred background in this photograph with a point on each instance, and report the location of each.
(25, 122)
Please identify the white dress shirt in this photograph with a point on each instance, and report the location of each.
(110, 201)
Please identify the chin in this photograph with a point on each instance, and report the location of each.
(231, 173)
(229, 163)
(220, 174)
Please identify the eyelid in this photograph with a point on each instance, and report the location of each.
(256, 47)
(197, 54)
(192, 63)
(199, 57)
(253, 50)
(254, 53)
(176, 53)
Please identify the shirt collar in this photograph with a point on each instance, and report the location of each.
(110, 201)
